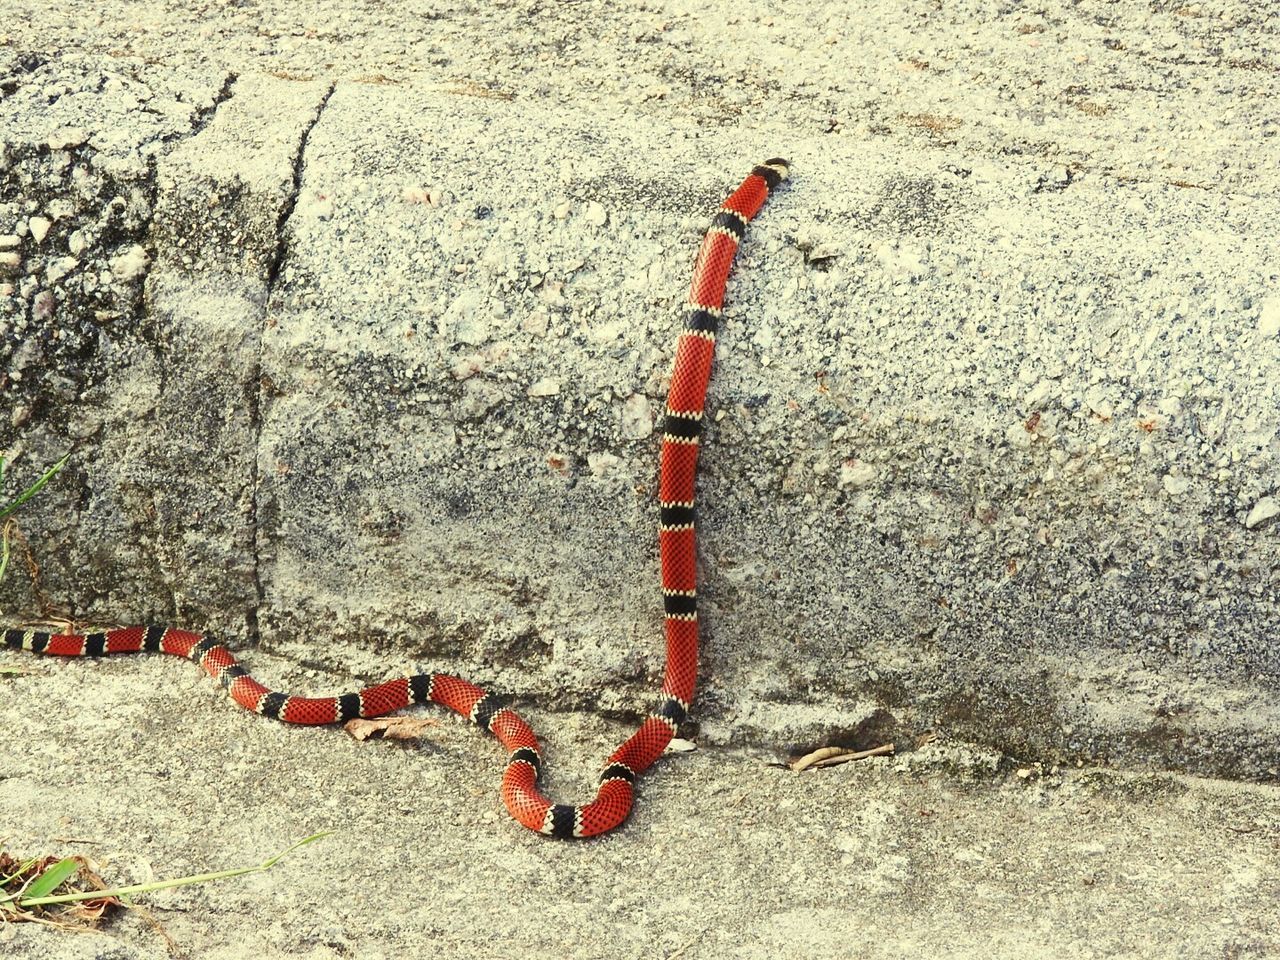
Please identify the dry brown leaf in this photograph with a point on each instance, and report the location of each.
(390, 728)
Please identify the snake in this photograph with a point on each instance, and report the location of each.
(677, 543)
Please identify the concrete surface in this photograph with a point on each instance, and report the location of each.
(944, 852)
(357, 320)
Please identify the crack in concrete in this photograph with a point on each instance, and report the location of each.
(286, 210)
(253, 386)
(204, 116)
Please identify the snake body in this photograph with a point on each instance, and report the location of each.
(677, 545)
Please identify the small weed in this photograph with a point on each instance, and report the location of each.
(21, 880)
(29, 887)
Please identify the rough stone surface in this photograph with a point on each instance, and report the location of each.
(357, 326)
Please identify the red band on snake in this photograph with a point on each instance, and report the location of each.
(677, 544)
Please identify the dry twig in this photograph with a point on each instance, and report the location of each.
(830, 756)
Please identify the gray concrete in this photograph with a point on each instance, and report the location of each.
(358, 327)
(945, 852)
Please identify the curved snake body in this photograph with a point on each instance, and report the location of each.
(677, 545)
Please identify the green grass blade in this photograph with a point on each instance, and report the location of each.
(35, 488)
(272, 861)
(22, 868)
(28, 901)
(52, 878)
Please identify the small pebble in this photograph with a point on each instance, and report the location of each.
(39, 227)
(67, 137)
(131, 264)
(468, 366)
(546, 387)
(536, 323)
(1262, 511)
(1268, 317)
(1176, 486)
(479, 397)
(9, 240)
(42, 306)
(1018, 435)
(1038, 394)
(602, 464)
(637, 420)
(855, 473)
(59, 268)
(596, 214)
(9, 260)
(28, 354)
(553, 293)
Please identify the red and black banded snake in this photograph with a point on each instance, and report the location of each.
(682, 431)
